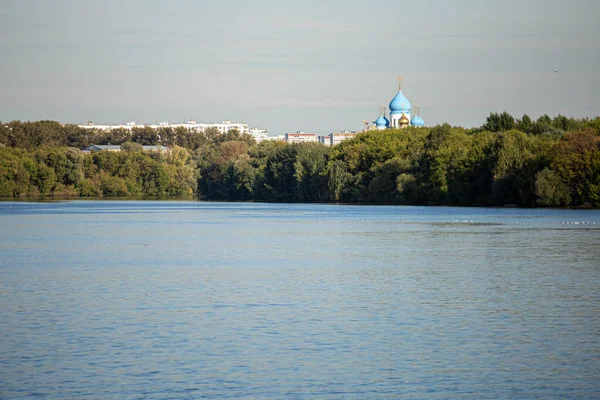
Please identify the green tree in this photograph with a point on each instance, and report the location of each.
(45, 179)
(499, 122)
(525, 124)
(339, 182)
(112, 185)
(131, 147)
(551, 191)
(309, 166)
(577, 163)
(383, 185)
(512, 154)
(280, 175)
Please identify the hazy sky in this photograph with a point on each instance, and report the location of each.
(317, 66)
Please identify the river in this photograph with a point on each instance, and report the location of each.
(189, 299)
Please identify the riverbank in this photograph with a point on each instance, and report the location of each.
(442, 165)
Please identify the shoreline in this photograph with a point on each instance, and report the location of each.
(58, 199)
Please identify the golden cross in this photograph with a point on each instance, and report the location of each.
(399, 82)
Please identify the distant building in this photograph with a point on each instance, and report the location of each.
(115, 147)
(336, 138)
(158, 148)
(258, 134)
(222, 127)
(102, 127)
(400, 113)
(300, 137)
(325, 140)
(103, 147)
(191, 125)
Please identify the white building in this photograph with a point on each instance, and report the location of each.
(258, 134)
(102, 127)
(191, 125)
(336, 138)
(222, 127)
(300, 137)
(325, 140)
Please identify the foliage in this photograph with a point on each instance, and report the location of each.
(577, 162)
(546, 162)
(551, 191)
(499, 122)
(64, 171)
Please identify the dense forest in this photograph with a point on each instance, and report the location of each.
(550, 162)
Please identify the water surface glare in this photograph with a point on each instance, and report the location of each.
(187, 300)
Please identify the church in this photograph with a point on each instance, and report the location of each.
(400, 113)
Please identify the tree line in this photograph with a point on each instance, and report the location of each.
(66, 171)
(551, 162)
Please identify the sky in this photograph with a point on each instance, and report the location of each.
(312, 65)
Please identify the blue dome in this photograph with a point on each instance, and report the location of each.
(381, 121)
(417, 121)
(387, 121)
(399, 104)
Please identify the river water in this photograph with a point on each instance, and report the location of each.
(187, 300)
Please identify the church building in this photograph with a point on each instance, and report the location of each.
(400, 113)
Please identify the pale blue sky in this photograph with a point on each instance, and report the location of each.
(318, 66)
